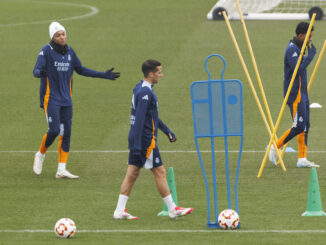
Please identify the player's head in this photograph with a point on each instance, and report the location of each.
(152, 70)
(57, 33)
(301, 31)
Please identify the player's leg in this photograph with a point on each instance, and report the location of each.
(160, 180)
(302, 147)
(129, 180)
(288, 134)
(272, 156)
(303, 162)
(125, 190)
(52, 113)
(64, 143)
(297, 126)
(162, 186)
(303, 137)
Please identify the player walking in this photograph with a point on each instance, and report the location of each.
(298, 100)
(142, 140)
(55, 65)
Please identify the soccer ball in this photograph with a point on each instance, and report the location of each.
(65, 228)
(228, 219)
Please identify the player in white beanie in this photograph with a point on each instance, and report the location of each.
(55, 65)
(55, 27)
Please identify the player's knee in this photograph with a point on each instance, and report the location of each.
(300, 128)
(65, 131)
(133, 174)
(54, 131)
(136, 173)
(161, 172)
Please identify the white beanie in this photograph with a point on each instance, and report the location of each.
(55, 27)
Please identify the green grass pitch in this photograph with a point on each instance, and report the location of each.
(122, 35)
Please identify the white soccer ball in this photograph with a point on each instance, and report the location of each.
(65, 228)
(228, 219)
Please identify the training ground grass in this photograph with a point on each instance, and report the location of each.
(122, 35)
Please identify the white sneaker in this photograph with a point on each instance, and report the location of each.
(123, 215)
(38, 163)
(65, 174)
(179, 211)
(305, 163)
(272, 156)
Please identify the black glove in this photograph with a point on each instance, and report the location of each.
(311, 48)
(111, 75)
(172, 137)
(43, 73)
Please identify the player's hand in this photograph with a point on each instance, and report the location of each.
(311, 48)
(172, 137)
(109, 74)
(43, 73)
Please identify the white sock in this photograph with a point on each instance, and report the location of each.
(40, 154)
(302, 159)
(122, 202)
(169, 202)
(61, 166)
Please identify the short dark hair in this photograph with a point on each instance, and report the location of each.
(150, 66)
(302, 28)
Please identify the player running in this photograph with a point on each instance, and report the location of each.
(298, 100)
(142, 140)
(55, 65)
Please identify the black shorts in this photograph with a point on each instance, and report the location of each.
(153, 161)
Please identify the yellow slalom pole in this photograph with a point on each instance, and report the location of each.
(287, 95)
(312, 78)
(255, 65)
(280, 156)
(250, 81)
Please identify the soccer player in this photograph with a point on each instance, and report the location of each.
(142, 142)
(298, 100)
(55, 65)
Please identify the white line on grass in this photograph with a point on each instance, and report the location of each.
(170, 231)
(126, 151)
(93, 11)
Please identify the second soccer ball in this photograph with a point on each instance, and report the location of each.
(65, 228)
(228, 219)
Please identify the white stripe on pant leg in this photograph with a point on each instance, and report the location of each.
(295, 120)
(149, 161)
(62, 129)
